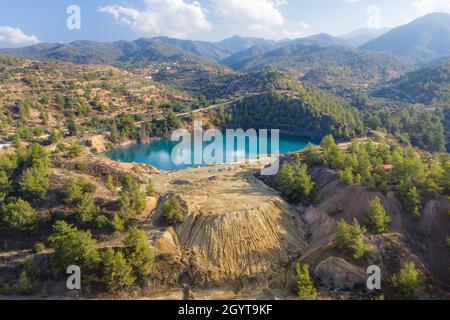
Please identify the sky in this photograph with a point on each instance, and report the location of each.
(27, 22)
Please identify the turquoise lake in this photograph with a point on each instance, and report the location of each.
(159, 153)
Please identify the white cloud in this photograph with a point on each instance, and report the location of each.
(261, 18)
(429, 6)
(374, 18)
(173, 18)
(14, 37)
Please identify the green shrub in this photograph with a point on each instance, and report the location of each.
(73, 247)
(351, 238)
(77, 189)
(86, 209)
(25, 285)
(54, 136)
(377, 218)
(20, 215)
(34, 181)
(346, 176)
(138, 252)
(116, 273)
(174, 210)
(132, 199)
(81, 166)
(407, 282)
(336, 209)
(102, 223)
(295, 182)
(110, 183)
(74, 150)
(151, 189)
(117, 223)
(38, 247)
(304, 284)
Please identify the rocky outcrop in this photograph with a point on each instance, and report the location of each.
(336, 273)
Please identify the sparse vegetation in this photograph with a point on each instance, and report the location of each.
(174, 210)
(295, 182)
(20, 215)
(407, 282)
(304, 283)
(351, 239)
(377, 218)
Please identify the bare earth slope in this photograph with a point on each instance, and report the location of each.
(238, 229)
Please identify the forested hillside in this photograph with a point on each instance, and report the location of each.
(324, 66)
(304, 111)
(430, 85)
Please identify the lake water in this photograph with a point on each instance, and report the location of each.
(159, 153)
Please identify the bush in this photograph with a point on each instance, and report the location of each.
(305, 286)
(77, 189)
(295, 182)
(86, 209)
(34, 181)
(336, 209)
(81, 166)
(38, 247)
(5, 185)
(346, 176)
(116, 273)
(332, 155)
(132, 199)
(72, 127)
(25, 285)
(20, 215)
(102, 223)
(138, 252)
(151, 189)
(351, 238)
(174, 210)
(54, 136)
(377, 218)
(73, 247)
(118, 223)
(407, 282)
(110, 183)
(74, 150)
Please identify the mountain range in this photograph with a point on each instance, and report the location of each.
(361, 36)
(420, 41)
(320, 58)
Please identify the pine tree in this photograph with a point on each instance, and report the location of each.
(295, 182)
(151, 189)
(377, 218)
(138, 252)
(305, 286)
(413, 202)
(407, 282)
(346, 176)
(116, 272)
(351, 238)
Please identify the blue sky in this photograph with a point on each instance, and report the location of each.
(24, 22)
